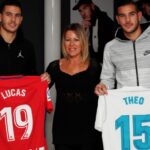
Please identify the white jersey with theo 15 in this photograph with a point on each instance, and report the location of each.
(123, 116)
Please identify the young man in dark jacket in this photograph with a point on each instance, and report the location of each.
(99, 27)
(16, 53)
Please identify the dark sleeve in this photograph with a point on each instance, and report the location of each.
(106, 32)
(52, 70)
(96, 69)
(109, 25)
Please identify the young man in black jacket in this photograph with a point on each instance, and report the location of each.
(16, 53)
(99, 27)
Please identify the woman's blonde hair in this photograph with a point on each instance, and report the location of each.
(80, 32)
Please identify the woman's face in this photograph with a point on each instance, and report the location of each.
(72, 44)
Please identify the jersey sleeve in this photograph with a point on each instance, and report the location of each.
(101, 113)
(49, 100)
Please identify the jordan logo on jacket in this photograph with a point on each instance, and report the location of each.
(20, 55)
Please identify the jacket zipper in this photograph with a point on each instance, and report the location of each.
(136, 66)
(8, 61)
(8, 46)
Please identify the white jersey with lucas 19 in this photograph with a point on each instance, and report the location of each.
(23, 103)
(123, 116)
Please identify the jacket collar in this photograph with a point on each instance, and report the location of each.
(145, 30)
(18, 39)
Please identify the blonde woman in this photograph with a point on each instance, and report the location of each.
(75, 76)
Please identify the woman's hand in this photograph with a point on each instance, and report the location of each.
(45, 76)
(100, 89)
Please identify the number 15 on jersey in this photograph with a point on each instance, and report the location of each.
(135, 129)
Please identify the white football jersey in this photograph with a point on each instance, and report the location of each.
(123, 116)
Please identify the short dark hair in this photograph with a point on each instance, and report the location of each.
(145, 1)
(118, 3)
(10, 3)
(80, 2)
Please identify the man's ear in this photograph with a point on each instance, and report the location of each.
(117, 19)
(21, 19)
(93, 6)
(140, 15)
(0, 17)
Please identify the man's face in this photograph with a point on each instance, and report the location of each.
(11, 18)
(128, 18)
(85, 11)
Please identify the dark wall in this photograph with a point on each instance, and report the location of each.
(33, 28)
(65, 14)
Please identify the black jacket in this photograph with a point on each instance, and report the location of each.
(106, 32)
(17, 58)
